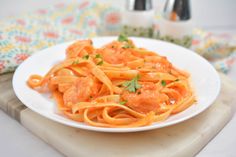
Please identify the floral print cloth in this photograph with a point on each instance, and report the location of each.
(219, 49)
(23, 35)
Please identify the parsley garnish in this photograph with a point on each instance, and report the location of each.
(163, 83)
(85, 57)
(75, 62)
(100, 63)
(98, 56)
(177, 80)
(122, 38)
(127, 46)
(123, 102)
(132, 85)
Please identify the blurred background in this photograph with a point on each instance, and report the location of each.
(213, 15)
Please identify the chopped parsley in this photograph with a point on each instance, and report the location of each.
(177, 80)
(122, 38)
(75, 62)
(163, 83)
(98, 56)
(127, 46)
(123, 102)
(86, 57)
(133, 84)
(100, 63)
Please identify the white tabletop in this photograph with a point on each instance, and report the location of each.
(15, 140)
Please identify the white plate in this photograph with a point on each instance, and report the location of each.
(204, 78)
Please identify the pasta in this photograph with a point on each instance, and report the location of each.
(118, 85)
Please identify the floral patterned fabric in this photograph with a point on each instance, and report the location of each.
(23, 35)
(219, 49)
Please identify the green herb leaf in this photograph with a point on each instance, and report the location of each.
(122, 38)
(98, 56)
(85, 57)
(133, 84)
(75, 62)
(127, 46)
(163, 83)
(123, 102)
(177, 80)
(100, 63)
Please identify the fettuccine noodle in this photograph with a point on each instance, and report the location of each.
(117, 85)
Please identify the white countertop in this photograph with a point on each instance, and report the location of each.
(15, 140)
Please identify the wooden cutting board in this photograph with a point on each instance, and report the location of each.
(182, 140)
